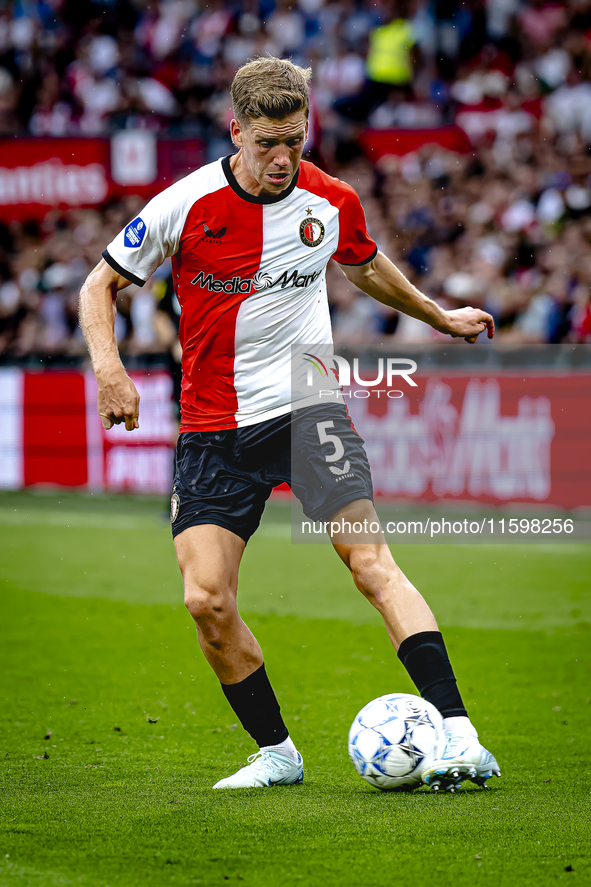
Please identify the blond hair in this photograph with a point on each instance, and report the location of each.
(270, 87)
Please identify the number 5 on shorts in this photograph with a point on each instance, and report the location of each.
(323, 437)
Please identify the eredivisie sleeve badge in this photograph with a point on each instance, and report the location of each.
(311, 232)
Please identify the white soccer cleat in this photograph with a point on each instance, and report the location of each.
(266, 768)
(463, 758)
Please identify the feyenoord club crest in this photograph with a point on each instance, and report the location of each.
(175, 504)
(311, 232)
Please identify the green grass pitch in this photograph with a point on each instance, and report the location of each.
(113, 729)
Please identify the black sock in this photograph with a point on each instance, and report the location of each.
(425, 658)
(257, 709)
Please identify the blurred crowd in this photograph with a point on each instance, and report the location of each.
(44, 265)
(505, 225)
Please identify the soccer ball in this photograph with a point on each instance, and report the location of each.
(392, 740)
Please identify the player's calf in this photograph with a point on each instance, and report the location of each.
(372, 577)
(384, 585)
(225, 640)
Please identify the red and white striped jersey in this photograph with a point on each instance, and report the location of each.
(249, 273)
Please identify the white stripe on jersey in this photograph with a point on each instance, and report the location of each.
(271, 321)
(164, 217)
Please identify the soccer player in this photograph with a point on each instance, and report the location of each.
(250, 237)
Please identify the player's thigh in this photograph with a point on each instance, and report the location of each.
(216, 506)
(209, 559)
(355, 523)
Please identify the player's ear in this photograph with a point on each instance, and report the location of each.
(236, 132)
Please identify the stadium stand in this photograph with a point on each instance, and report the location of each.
(464, 126)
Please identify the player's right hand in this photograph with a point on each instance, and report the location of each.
(118, 401)
(468, 323)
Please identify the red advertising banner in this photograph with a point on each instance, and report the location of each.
(38, 175)
(51, 434)
(495, 439)
(140, 461)
(41, 174)
(511, 437)
(378, 142)
(54, 429)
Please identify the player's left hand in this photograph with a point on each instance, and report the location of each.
(468, 323)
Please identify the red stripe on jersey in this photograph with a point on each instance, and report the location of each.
(355, 246)
(54, 429)
(221, 232)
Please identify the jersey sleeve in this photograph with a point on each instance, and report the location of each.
(149, 239)
(355, 246)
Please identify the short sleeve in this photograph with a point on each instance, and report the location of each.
(355, 246)
(149, 239)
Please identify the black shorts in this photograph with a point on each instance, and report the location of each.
(226, 477)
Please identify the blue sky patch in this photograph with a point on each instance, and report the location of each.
(135, 233)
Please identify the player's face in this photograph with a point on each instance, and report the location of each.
(271, 152)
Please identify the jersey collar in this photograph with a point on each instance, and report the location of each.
(251, 198)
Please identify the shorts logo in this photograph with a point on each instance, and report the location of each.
(175, 504)
(340, 471)
(311, 232)
(134, 234)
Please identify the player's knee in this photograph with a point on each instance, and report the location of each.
(205, 603)
(369, 572)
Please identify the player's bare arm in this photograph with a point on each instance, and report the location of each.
(117, 398)
(382, 280)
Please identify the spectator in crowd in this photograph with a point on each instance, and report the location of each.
(505, 224)
(390, 60)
